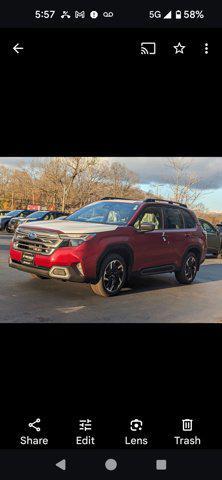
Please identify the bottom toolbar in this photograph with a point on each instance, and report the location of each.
(119, 464)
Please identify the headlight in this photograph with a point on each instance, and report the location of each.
(75, 239)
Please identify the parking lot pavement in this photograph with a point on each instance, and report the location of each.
(158, 299)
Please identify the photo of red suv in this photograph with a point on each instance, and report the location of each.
(107, 242)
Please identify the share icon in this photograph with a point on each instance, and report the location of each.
(33, 425)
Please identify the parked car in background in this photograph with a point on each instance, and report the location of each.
(5, 219)
(219, 226)
(108, 242)
(40, 215)
(4, 212)
(213, 237)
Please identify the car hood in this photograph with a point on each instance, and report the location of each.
(65, 226)
(5, 216)
(28, 220)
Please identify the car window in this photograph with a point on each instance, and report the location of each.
(189, 221)
(150, 215)
(23, 215)
(37, 215)
(207, 227)
(14, 213)
(173, 218)
(118, 213)
(47, 217)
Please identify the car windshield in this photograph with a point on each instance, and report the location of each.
(118, 213)
(36, 215)
(13, 213)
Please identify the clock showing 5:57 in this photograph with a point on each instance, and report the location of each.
(46, 14)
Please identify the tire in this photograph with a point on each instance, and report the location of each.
(112, 276)
(189, 269)
(216, 254)
(7, 229)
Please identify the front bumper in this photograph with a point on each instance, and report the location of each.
(72, 273)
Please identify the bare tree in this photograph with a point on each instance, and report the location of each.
(120, 179)
(68, 183)
(186, 186)
(58, 176)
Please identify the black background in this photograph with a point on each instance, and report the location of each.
(91, 93)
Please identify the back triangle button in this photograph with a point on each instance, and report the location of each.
(61, 464)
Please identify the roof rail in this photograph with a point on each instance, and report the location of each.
(118, 198)
(178, 203)
(171, 202)
(147, 200)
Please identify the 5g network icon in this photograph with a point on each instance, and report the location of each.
(148, 48)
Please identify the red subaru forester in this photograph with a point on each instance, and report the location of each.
(109, 241)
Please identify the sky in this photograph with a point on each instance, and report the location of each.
(153, 171)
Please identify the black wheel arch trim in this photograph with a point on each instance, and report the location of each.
(190, 249)
(114, 248)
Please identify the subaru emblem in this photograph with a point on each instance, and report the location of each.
(32, 236)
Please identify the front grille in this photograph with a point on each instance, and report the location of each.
(44, 243)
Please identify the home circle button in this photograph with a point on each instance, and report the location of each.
(111, 464)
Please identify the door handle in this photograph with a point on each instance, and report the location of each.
(187, 235)
(164, 237)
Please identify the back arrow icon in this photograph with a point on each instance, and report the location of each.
(61, 465)
(17, 48)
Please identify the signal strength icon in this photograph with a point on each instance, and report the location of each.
(168, 16)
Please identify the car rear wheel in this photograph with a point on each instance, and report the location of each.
(189, 269)
(112, 276)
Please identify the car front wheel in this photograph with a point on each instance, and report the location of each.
(112, 276)
(189, 269)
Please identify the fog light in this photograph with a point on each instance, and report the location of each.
(59, 271)
(79, 266)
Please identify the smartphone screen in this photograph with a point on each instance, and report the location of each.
(110, 240)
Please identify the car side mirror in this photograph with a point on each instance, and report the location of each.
(147, 227)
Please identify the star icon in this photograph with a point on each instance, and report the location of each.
(179, 48)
